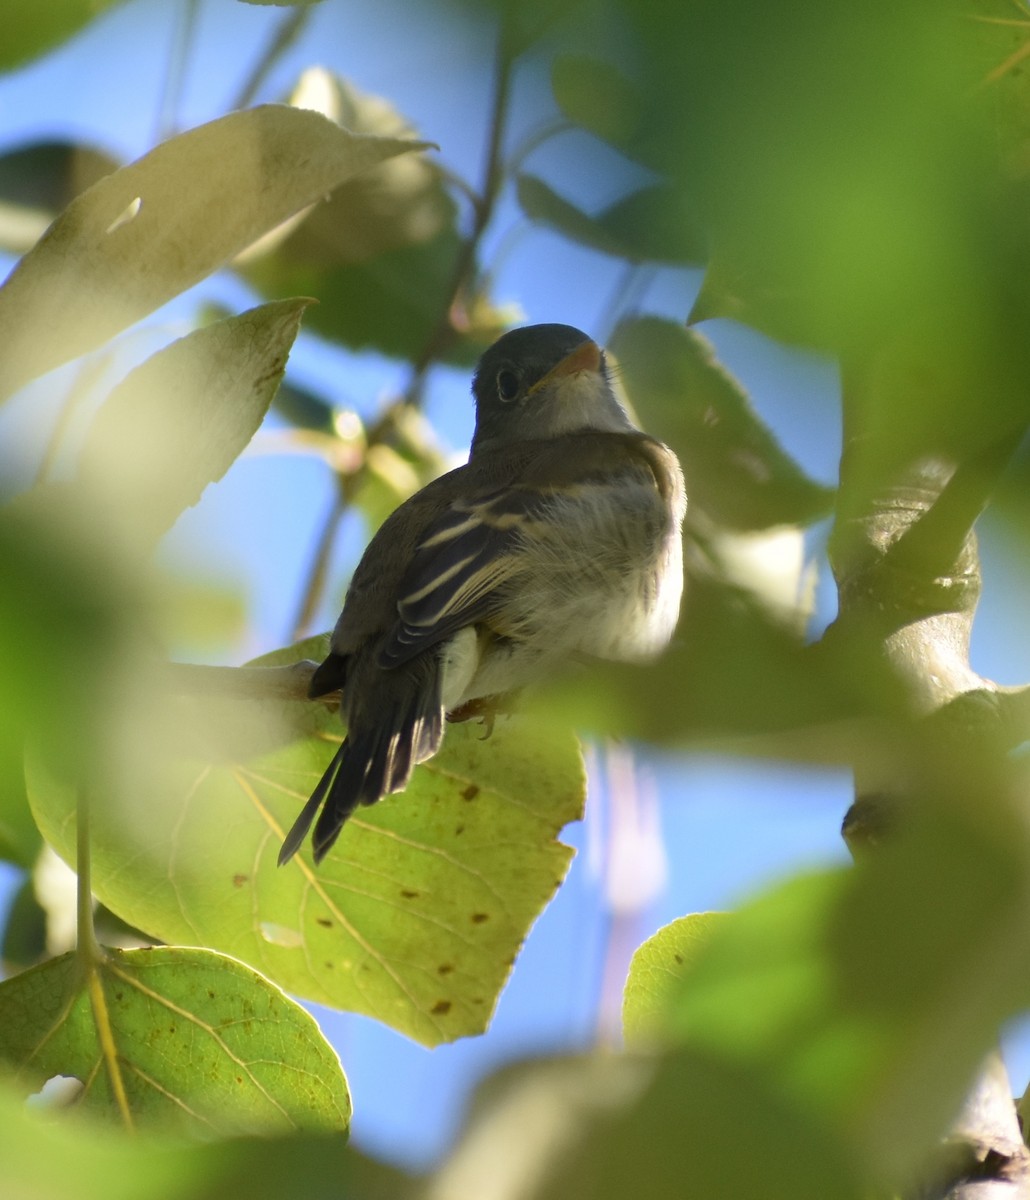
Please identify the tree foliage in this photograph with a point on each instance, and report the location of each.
(848, 178)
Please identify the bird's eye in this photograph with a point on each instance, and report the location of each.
(507, 385)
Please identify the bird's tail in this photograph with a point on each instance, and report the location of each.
(370, 764)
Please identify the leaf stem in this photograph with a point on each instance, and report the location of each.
(90, 956)
(283, 36)
(175, 76)
(318, 571)
(483, 210)
(88, 949)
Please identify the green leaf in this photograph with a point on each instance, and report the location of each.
(31, 29)
(200, 1043)
(609, 1126)
(416, 915)
(382, 252)
(24, 937)
(597, 96)
(156, 227)
(644, 226)
(737, 473)
(871, 996)
(542, 204)
(655, 970)
(64, 608)
(71, 1159)
(37, 181)
(178, 422)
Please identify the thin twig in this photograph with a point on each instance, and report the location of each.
(493, 177)
(283, 36)
(443, 333)
(318, 572)
(175, 76)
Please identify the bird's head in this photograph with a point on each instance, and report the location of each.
(540, 382)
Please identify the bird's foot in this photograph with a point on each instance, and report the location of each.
(484, 708)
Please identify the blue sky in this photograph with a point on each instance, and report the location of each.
(728, 826)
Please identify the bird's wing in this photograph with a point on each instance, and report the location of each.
(463, 557)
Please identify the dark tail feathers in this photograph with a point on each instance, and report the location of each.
(370, 764)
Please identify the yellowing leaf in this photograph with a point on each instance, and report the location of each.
(416, 915)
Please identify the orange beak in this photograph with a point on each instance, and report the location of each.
(586, 357)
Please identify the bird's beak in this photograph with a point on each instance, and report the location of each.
(586, 357)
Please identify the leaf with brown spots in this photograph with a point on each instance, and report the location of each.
(172, 1017)
(655, 971)
(409, 886)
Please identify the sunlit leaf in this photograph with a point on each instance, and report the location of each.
(201, 1043)
(152, 229)
(413, 918)
(655, 970)
(179, 421)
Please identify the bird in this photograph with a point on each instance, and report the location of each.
(559, 540)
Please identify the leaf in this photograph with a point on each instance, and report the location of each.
(154, 228)
(382, 252)
(608, 1125)
(201, 1043)
(737, 472)
(416, 915)
(30, 29)
(645, 226)
(24, 936)
(655, 970)
(64, 608)
(72, 1159)
(542, 204)
(37, 181)
(873, 995)
(179, 421)
(597, 96)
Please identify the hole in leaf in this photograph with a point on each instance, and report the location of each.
(59, 1091)
(129, 213)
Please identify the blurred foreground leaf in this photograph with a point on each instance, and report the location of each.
(610, 1126)
(78, 1160)
(31, 29)
(416, 915)
(871, 996)
(156, 227)
(203, 1044)
(37, 181)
